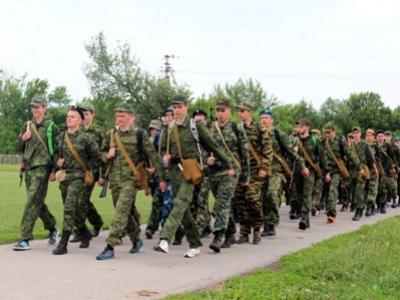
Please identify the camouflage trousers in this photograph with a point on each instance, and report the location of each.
(87, 210)
(203, 216)
(271, 200)
(392, 189)
(383, 189)
(124, 196)
(357, 187)
(345, 192)
(248, 205)
(305, 189)
(180, 214)
(333, 194)
(223, 189)
(71, 190)
(317, 194)
(36, 182)
(371, 189)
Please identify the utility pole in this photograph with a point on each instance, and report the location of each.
(169, 72)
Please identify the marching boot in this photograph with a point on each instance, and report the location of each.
(179, 234)
(293, 213)
(271, 230)
(382, 207)
(368, 210)
(358, 214)
(62, 245)
(229, 240)
(256, 237)
(373, 209)
(86, 237)
(304, 222)
(394, 204)
(217, 241)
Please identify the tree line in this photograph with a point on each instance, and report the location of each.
(115, 76)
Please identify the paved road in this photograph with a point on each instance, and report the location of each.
(37, 274)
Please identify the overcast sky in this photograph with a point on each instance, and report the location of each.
(311, 49)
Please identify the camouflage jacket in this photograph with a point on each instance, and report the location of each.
(341, 150)
(316, 152)
(393, 153)
(259, 137)
(237, 144)
(283, 147)
(364, 153)
(96, 134)
(381, 157)
(83, 144)
(120, 171)
(34, 154)
(188, 143)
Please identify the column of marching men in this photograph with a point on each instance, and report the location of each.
(250, 167)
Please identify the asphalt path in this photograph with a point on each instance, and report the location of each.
(37, 274)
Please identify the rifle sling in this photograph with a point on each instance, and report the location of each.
(75, 154)
(332, 153)
(226, 146)
(281, 160)
(35, 131)
(255, 155)
(306, 155)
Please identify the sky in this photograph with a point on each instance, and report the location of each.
(297, 49)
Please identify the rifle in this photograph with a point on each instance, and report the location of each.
(21, 170)
(103, 192)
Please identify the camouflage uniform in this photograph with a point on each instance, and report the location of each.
(38, 165)
(391, 181)
(122, 184)
(340, 149)
(86, 207)
(305, 185)
(202, 211)
(357, 185)
(272, 199)
(223, 186)
(247, 201)
(183, 190)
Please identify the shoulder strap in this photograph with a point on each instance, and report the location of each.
(328, 145)
(226, 146)
(49, 135)
(75, 153)
(35, 131)
(255, 155)
(235, 129)
(125, 154)
(306, 155)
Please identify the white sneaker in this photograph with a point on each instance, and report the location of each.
(192, 252)
(162, 246)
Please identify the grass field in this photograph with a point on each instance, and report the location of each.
(13, 199)
(358, 265)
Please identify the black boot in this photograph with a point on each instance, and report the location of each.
(368, 210)
(229, 240)
(217, 241)
(86, 237)
(382, 208)
(304, 222)
(293, 213)
(179, 234)
(358, 214)
(271, 230)
(394, 204)
(62, 245)
(373, 209)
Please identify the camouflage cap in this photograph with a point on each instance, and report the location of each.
(370, 130)
(388, 132)
(356, 128)
(169, 108)
(179, 99)
(316, 131)
(380, 131)
(155, 124)
(223, 103)
(199, 112)
(38, 101)
(245, 105)
(86, 106)
(303, 121)
(124, 107)
(329, 126)
(350, 135)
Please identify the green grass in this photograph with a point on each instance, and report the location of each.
(13, 199)
(358, 265)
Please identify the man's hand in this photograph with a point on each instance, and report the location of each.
(111, 153)
(361, 173)
(305, 172)
(147, 191)
(150, 170)
(231, 172)
(328, 178)
(244, 184)
(60, 162)
(166, 159)
(100, 182)
(210, 160)
(262, 174)
(26, 136)
(52, 176)
(163, 186)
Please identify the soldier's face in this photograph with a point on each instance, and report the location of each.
(244, 114)
(369, 137)
(388, 137)
(38, 111)
(350, 140)
(266, 120)
(380, 138)
(169, 116)
(124, 119)
(301, 128)
(89, 115)
(73, 119)
(357, 136)
(180, 110)
(201, 118)
(223, 114)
